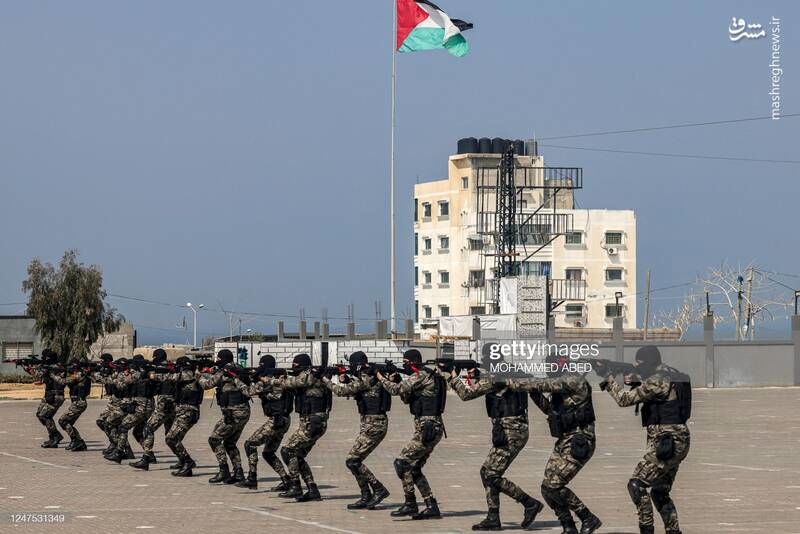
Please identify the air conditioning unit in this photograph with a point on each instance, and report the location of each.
(579, 324)
(612, 251)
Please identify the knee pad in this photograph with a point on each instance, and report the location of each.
(637, 489)
(250, 446)
(401, 467)
(489, 479)
(660, 495)
(353, 464)
(214, 442)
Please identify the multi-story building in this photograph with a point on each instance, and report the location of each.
(594, 258)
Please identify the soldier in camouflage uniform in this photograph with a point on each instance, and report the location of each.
(139, 404)
(112, 414)
(508, 411)
(54, 383)
(425, 391)
(277, 406)
(163, 410)
(312, 402)
(665, 399)
(570, 415)
(235, 407)
(188, 398)
(80, 386)
(373, 402)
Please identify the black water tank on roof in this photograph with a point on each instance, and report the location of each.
(485, 145)
(468, 145)
(498, 145)
(519, 147)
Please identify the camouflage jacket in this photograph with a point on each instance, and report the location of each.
(655, 388)
(421, 383)
(573, 388)
(369, 386)
(313, 386)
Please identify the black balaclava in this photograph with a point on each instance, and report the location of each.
(301, 360)
(49, 356)
(224, 357)
(159, 356)
(412, 359)
(267, 361)
(358, 360)
(648, 358)
(138, 361)
(106, 358)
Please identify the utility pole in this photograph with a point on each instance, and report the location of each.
(646, 305)
(748, 324)
(739, 314)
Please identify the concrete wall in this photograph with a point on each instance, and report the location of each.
(17, 329)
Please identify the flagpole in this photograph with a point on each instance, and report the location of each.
(392, 260)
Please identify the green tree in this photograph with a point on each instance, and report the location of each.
(68, 305)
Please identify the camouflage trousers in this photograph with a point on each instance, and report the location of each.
(110, 418)
(428, 432)
(269, 435)
(371, 432)
(67, 421)
(45, 413)
(309, 430)
(186, 416)
(658, 475)
(509, 436)
(570, 453)
(142, 408)
(163, 414)
(227, 432)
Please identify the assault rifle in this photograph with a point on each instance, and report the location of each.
(605, 367)
(30, 361)
(448, 364)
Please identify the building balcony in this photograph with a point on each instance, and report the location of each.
(564, 290)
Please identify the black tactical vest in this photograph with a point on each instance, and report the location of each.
(51, 387)
(281, 407)
(433, 405)
(670, 412)
(509, 404)
(81, 389)
(166, 387)
(374, 404)
(564, 419)
(191, 396)
(306, 404)
(230, 398)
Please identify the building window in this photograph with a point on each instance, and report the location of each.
(444, 278)
(574, 238)
(574, 274)
(426, 278)
(416, 244)
(416, 311)
(416, 210)
(613, 238)
(464, 182)
(427, 245)
(534, 234)
(475, 243)
(416, 276)
(444, 311)
(16, 350)
(477, 278)
(427, 311)
(444, 208)
(541, 268)
(612, 311)
(574, 311)
(426, 211)
(523, 204)
(613, 275)
(444, 242)
(477, 310)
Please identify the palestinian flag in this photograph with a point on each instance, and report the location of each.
(421, 25)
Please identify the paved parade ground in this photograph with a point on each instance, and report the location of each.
(742, 474)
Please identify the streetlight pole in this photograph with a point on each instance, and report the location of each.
(194, 312)
(617, 296)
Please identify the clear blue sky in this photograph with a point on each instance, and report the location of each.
(239, 151)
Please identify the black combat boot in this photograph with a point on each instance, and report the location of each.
(492, 521)
(115, 457)
(48, 444)
(177, 465)
(647, 529)
(431, 510)
(186, 468)
(293, 490)
(408, 508)
(589, 521)
(236, 476)
(151, 457)
(674, 532)
(222, 475)
(53, 442)
(311, 495)
(143, 463)
(250, 482)
(70, 445)
(379, 493)
(79, 446)
(283, 485)
(128, 454)
(569, 527)
(532, 509)
(361, 503)
(58, 437)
